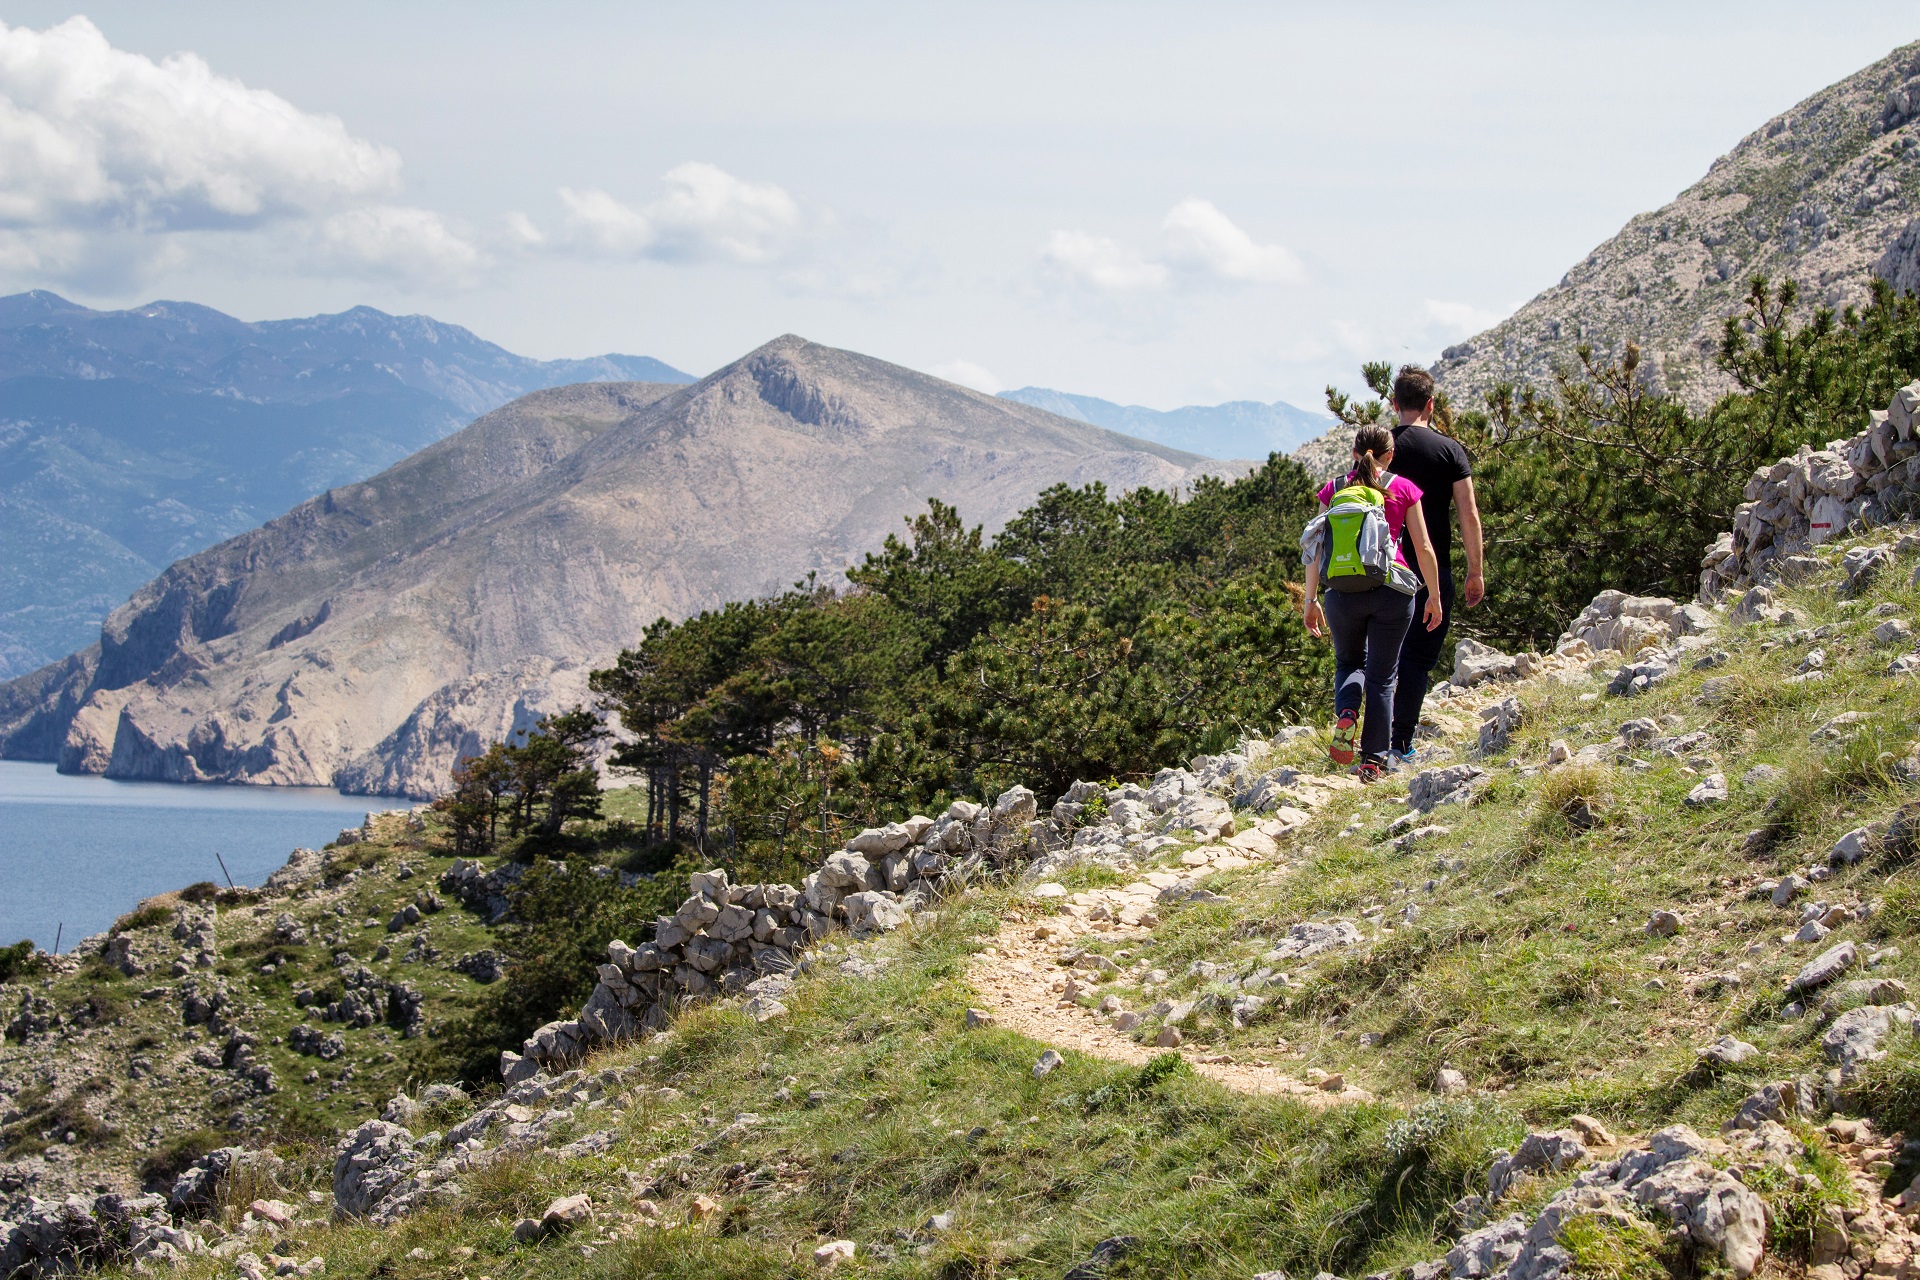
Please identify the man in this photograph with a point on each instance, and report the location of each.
(1444, 473)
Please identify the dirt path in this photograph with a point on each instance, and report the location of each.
(1019, 977)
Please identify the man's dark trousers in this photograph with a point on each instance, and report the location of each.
(1418, 653)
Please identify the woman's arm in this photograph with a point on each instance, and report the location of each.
(1429, 566)
(1310, 610)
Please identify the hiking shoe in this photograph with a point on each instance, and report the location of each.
(1346, 732)
(1408, 759)
(1370, 772)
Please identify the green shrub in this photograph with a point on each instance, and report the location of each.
(20, 962)
(144, 918)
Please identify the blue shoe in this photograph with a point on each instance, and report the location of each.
(1408, 759)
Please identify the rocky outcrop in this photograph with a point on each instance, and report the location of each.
(1693, 1189)
(1822, 193)
(369, 636)
(54, 1237)
(1815, 496)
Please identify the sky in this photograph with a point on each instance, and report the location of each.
(1161, 204)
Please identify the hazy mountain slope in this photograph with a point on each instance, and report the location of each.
(1236, 429)
(1818, 193)
(131, 438)
(367, 636)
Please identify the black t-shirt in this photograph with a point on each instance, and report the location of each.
(1435, 463)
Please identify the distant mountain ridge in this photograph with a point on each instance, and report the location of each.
(1236, 429)
(129, 439)
(1822, 193)
(370, 636)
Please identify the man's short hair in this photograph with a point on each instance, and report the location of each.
(1412, 388)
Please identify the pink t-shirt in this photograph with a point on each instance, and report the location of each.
(1402, 493)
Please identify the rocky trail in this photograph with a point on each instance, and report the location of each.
(1021, 977)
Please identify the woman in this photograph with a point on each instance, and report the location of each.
(1368, 626)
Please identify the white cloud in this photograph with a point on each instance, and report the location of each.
(1203, 240)
(115, 165)
(91, 133)
(522, 233)
(1458, 319)
(969, 374)
(705, 215)
(1105, 264)
(1199, 246)
(390, 241)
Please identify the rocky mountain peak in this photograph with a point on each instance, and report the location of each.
(1821, 193)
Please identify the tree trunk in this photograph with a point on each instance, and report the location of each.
(706, 782)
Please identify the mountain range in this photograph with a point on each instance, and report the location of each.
(1825, 193)
(1236, 429)
(373, 634)
(131, 438)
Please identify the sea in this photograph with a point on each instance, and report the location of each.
(77, 852)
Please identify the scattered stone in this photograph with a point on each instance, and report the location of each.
(1447, 1081)
(566, 1213)
(1454, 784)
(978, 1018)
(1857, 1035)
(832, 1254)
(1169, 1038)
(1104, 1255)
(1048, 1061)
(1591, 1131)
(1852, 847)
(1663, 924)
(1825, 967)
(1728, 1052)
(1711, 790)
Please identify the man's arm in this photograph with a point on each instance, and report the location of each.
(1470, 535)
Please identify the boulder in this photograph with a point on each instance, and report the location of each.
(1454, 784)
(1858, 1035)
(1474, 663)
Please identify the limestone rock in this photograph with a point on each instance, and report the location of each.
(1825, 967)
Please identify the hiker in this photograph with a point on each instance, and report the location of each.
(1355, 546)
(1441, 469)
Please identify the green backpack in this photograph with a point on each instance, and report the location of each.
(1359, 547)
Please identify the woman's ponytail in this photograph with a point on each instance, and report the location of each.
(1371, 445)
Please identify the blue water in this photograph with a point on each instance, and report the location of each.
(75, 852)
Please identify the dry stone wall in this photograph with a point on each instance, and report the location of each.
(747, 938)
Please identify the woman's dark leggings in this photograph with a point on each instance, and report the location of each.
(1367, 628)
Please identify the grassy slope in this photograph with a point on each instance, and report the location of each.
(81, 1078)
(1526, 967)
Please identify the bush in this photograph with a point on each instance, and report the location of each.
(144, 918)
(20, 962)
